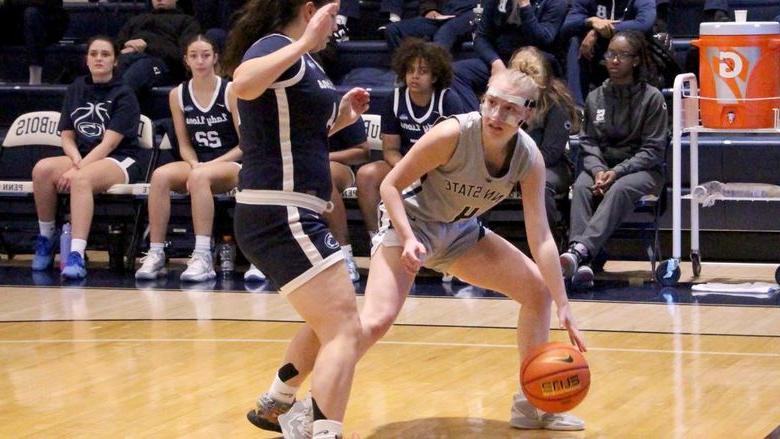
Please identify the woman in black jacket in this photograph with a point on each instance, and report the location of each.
(151, 45)
(623, 146)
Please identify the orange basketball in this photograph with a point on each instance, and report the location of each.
(555, 377)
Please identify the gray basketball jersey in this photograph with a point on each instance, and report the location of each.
(463, 188)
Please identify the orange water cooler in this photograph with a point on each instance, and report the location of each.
(739, 73)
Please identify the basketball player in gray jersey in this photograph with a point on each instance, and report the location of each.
(462, 167)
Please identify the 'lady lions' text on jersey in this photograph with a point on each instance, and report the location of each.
(402, 117)
(211, 128)
(286, 148)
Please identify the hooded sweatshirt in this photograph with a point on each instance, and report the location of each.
(625, 129)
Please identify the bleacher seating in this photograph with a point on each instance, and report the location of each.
(687, 14)
(365, 51)
(33, 136)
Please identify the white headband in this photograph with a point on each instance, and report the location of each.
(522, 102)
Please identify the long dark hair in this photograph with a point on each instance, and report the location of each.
(107, 39)
(198, 37)
(256, 19)
(645, 70)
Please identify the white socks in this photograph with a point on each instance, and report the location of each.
(78, 245)
(281, 391)
(202, 244)
(341, 19)
(326, 429)
(156, 247)
(347, 249)
(47, 228)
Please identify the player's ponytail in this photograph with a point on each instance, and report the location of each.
(256, 19)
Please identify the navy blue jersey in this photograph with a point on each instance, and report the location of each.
(284, 134)
(349, 136)
(211, 128)
(402, 117)
(90, 109)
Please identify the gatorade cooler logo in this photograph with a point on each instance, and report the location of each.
(734, 66)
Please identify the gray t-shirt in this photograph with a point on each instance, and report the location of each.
(463, 188)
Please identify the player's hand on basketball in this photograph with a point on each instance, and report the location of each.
(354, 103)
(320, 28)
(413, 255)
(566, 320)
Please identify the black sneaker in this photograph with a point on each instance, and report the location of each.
(266, 414)
(583, 278)
(570, 260)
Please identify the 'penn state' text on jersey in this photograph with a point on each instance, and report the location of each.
(286, 148)
(210, 128)
(463, 188)
(403, 117)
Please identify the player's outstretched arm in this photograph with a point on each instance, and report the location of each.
(254, 76)
(543, 248)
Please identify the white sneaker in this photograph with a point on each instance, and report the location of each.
(352, 268)
(527, 417)
(297, 422)
(152, 266)
(254, 274)
(200, 268)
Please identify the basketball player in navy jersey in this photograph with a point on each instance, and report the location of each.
(425, 70)
(288, 108)
(99, 124)
(471, 162)
(203, 111)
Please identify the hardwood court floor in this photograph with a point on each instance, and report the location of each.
(78, 362)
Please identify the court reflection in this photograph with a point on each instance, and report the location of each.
(465, 428)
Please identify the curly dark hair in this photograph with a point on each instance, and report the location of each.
(437, 58)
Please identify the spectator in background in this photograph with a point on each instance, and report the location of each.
(425, 72)
(623, 147)
(587, 30)
(215, 18)
(714, 10)
(505, 26)
(34, 23)
(99, 124)
(445, 22)
(351, 9)
(348, 149)
(554, 120)
(151, 45)
(203, 110)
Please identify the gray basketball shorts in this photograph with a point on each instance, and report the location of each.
(444, 242)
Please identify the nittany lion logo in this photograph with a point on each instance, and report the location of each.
(90, 120)
(331, 242)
